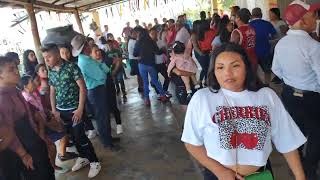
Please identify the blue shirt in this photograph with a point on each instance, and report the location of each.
(94, 72)
(264, 32)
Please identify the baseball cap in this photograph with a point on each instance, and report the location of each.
(297, 9)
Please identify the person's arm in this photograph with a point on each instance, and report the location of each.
(235, 37)
(14, 144)
(314, 57)
(276, 67)
(116, 65)
(77, 114)
(53, 101)
(200, 154)
(6, 137)
(91, 69)
(41, 124)
(195, 45)
(294, 162)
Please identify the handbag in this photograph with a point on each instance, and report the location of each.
(264, 175)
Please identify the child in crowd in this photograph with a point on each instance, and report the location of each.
(115, 53)
(47, 124)
(44, 92)
(183, 65)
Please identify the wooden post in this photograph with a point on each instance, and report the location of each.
(214, 6)
(34, 30)
(96, 19)
(77, 16)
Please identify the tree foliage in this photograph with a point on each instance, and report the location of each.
(226, 4)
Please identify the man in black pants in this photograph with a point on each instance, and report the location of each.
(27, 155)
(67, 97)
(296, 61)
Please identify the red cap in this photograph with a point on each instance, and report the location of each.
(297, 9)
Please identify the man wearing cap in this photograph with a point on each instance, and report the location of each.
(296, 61)
(67, 97)
(95, 75)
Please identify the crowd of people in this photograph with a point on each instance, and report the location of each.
(232, 117)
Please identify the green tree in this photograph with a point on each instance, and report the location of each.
(226, 4)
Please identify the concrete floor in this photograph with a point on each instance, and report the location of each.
(152, 149)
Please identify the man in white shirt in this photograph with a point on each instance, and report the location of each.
(183, 35)
(296, 61)
(106, 31)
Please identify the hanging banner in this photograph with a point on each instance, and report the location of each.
(107, 13)
(111, 11)
(138, 5)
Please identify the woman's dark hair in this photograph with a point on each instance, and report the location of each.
(244, 15)
(250, 82)
(178, 47)
(39, 66)
(216, 19)
(196, 27)
(163, 27)
(223, 31)
(103, 40)
(28, 65)
(24, 80)
(276, 11)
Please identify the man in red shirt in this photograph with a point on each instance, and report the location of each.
(126, 30)
(171, 36)
(245, 36)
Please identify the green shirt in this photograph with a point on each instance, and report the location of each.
(115, 53)
(94, 72)
(66, 87)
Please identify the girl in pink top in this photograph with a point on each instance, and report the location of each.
(31, 95)
(182, 64)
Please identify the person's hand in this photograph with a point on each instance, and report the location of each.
(169, 75)
(56, 114)
(77, 114)
(228, 174)
(27, 161)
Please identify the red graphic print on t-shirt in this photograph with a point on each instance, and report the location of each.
(242, 127)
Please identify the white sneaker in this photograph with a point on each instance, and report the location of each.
(80, 163)
(92, 134)
(95, 168)
(119, 129)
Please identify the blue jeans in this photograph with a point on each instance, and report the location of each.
(144, 71)
(98, 99)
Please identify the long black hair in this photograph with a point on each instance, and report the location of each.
(250, 82)
(29, 66)
(276, 11)
(223, 31)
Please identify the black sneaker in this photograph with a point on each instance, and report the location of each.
(115, 139)
(114, 148)
(68, 156)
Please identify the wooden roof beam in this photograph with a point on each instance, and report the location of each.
(70, 2)
(56, 1)
(98, 4)
(42, 5)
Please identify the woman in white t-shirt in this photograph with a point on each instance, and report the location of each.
(231, 125)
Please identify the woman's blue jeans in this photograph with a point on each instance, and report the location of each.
(146, 70)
